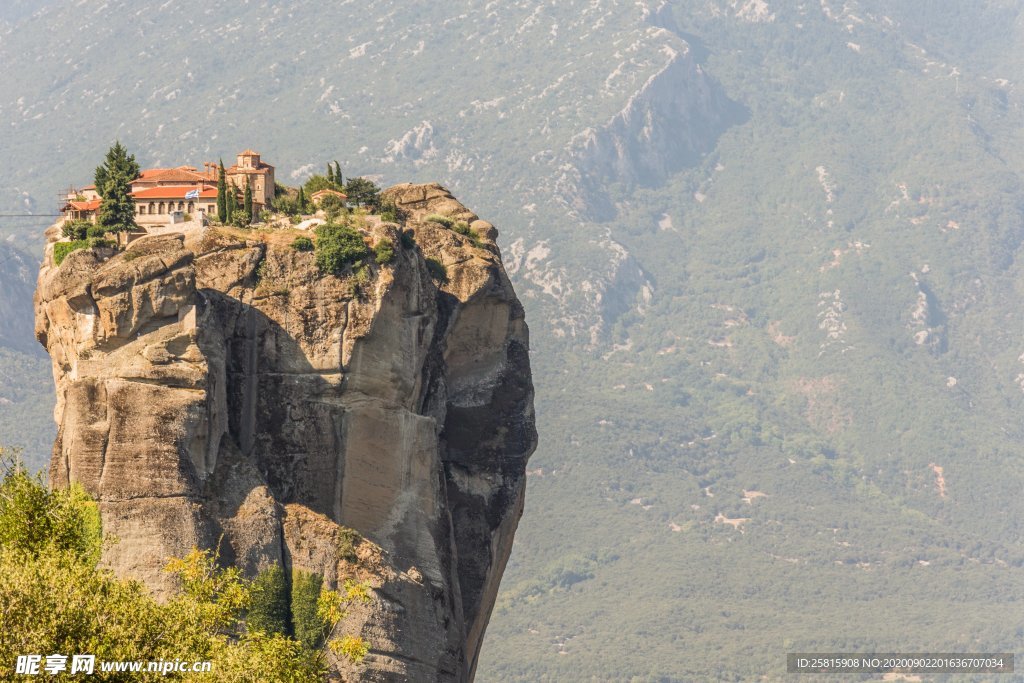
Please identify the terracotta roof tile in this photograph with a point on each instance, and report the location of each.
(85, 206)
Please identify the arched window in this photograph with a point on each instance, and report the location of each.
(162, 207)
(181, 206)
(142, 209)
(191, 207)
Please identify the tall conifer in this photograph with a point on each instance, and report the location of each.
(114, 183)
(247, 199)
(222, 194)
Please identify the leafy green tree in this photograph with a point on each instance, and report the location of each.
(33, 517)
(222, 194)
(317, 183)
(77, 229)
(55, 599)
(269, 604)
(247, 199)
(114, 184)
(333, 206)
(337, 246)
(362, 192)
(310, 627)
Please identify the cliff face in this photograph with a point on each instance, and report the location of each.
(215, 388)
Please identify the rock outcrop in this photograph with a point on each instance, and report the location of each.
(215, 390)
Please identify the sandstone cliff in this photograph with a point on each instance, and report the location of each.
(214, 388)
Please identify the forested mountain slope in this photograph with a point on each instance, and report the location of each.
(769, 253)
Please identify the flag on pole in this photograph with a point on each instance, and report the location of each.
(194, 194)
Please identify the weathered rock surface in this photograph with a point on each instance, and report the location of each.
(214, 388)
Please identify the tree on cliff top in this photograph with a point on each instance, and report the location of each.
(222, 194)
(362, 192)
(114, 184)
(247, 201)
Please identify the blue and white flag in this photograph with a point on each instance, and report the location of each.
(194, 194)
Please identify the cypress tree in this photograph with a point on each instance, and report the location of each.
(247, 199)
(114, 183)
(300, 201)
(231, 204)
(337, 174)
(330, 173)
(222, 194)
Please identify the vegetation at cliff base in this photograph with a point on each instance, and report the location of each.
(55, 599)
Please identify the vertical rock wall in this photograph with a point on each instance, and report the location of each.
(215, 390)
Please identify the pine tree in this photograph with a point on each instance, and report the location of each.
(330, 173)
(222, 195)
(114, 183)
(247, 199)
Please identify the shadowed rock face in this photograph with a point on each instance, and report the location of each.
(215, 388)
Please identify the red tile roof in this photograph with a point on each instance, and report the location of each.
(85, 206)
(182, 174)
(174, 192)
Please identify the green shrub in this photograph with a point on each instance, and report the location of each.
(462, 227)
(99, 242)
(348, 539)
(62, 249)
(384, 251)
(337, 246)
(352, 648)
(268, 605)
(96, 231)
(77, 230)
(240, 219)
(309, 626)
(302, 244)
(437, 270)
(442, 220)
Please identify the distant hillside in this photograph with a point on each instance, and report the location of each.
(17, 280)
(25, 377)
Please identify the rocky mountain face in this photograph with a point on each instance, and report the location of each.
(217, 390)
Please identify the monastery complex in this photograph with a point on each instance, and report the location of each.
(166, 195)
